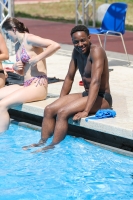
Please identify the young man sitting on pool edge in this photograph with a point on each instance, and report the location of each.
(91, 60)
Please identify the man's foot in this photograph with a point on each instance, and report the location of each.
(40, 143)
(44, 149)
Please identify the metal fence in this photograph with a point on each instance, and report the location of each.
(7, 10)
(83, 13)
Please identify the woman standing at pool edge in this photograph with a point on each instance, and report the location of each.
(3, 56)
(30, 62)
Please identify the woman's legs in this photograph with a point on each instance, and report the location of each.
(17, 95)
(5, 91)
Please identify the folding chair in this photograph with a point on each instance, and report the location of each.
(113, 24)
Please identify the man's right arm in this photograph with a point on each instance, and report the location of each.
(66, 88)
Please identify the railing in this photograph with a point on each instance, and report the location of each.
(7, 10)
(83, 13)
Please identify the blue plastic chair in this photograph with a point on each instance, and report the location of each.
(113, 24)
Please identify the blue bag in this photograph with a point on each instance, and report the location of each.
(102, 113)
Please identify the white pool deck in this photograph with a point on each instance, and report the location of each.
(121, 84)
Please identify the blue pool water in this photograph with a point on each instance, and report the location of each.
(74, 170)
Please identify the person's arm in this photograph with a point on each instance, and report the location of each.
(18, 67)
(4, 55)
(66, 88)
(97, 55)
(50, 47)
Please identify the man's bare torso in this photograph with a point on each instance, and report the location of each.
(85, 64)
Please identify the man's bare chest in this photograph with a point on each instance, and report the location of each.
(87, 70)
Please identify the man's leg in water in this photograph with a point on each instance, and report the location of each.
(63, 114)
(61, 125)
(50, 112)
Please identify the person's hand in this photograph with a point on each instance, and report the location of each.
(18, 66)
(80, 115)
(33, 61)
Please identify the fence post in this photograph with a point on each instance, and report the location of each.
(82, 12)
(7, 10)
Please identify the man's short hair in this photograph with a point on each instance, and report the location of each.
(80, 28)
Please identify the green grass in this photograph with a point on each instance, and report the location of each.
(64, 11)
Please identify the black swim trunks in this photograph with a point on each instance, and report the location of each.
(104, 95)
(2, 71)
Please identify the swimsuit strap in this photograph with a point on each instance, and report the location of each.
(2, 71)
(17, 58)
(24, 57)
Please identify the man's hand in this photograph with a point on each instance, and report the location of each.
(80, 115)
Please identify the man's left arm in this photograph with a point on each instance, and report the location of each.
(97, 56)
